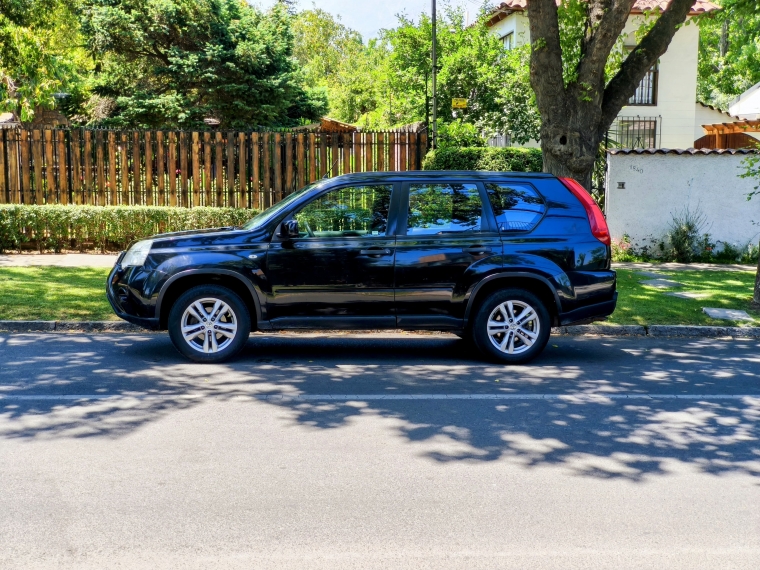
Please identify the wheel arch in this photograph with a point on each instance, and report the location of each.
(532, 282)
(184, 280)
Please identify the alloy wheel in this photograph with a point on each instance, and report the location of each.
(513, 327)
(209, 325)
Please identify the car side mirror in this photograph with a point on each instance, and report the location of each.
(289, 229)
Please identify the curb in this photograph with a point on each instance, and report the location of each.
(659, 331)
(70, 326)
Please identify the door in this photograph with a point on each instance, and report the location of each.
(446, 233)
(338, 272)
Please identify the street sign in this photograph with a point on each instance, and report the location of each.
(459, 103)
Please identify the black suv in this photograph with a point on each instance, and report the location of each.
(495, 257)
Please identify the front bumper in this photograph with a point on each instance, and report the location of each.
(119, 304)
(589, 313)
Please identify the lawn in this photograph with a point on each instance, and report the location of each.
(54, 294)
(643, 305)
(66, 293)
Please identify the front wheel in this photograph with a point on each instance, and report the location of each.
(209, 323)
(511, 326)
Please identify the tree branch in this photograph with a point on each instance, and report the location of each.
(606, 19)
(624, 84)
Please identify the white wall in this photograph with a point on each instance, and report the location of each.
(747, 105)
(676, 88)
(660, 185)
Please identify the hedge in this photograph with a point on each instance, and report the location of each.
(509, 159)
(103, 227)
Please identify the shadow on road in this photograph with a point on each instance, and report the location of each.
(584, 431)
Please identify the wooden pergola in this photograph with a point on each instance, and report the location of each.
(729, 135)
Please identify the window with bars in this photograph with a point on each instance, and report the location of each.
(635, 132)
(646, 92)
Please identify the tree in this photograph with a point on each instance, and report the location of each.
(576, 101)
(322, 44)
(729, 52)
(752, 170)
(172, 63)
(39, 54)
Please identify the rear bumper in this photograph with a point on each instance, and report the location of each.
(589, 313)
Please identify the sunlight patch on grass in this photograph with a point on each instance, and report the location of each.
(54, 293)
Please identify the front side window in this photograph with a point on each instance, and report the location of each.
(444, 208)
(517, 207)
(354, 211)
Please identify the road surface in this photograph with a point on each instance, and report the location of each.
(387, 451)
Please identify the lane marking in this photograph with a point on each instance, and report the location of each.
(589, 397)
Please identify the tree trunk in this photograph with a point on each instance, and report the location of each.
(756, 296)
(576, 114)
(567, 153)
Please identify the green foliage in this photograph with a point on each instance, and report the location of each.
(751, 166)
(103, 227)
(729, 52)
(457, 134)
(172, 63)
(510, 159)
(687, 240)
(39, 54)
(387, 82)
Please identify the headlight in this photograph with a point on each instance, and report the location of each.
(137, 254)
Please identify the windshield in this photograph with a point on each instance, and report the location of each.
(264, 217)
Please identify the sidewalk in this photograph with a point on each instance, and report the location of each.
(684, 267)
(57, 260)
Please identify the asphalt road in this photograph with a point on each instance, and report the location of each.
(393, 451)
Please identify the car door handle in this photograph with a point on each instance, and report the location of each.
(375, 252)
(477, 249)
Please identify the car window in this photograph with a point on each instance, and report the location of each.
(517, 207)
(353, 211)
(438, 208)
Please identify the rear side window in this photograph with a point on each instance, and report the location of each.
(517, 207)
(442, 208)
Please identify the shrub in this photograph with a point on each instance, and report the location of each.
(458, 134)
(686, 240)
(509, 159)
(103, 227)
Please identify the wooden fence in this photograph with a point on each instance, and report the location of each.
(179, 168)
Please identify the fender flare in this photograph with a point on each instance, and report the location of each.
(506, 275)
(227, 272)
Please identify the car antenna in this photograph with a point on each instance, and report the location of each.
(327, 174)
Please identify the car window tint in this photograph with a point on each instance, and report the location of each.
(354, 211)
(443, 208)
(516, 207)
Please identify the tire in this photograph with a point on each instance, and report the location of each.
(520, 341)
(231, 324)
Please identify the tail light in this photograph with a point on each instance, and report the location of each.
(595, 217)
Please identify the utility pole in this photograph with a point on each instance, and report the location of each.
(434, 133)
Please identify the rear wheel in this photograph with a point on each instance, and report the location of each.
(209, 324)
(511, 326)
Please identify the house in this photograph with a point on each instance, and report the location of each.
(664, 112)
(747, 105)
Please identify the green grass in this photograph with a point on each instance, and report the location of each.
(643, 305)
(54, 294)
(78, 293)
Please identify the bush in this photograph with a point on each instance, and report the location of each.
(103, 227)
(686, 240)
(509, 159)
(458, 134)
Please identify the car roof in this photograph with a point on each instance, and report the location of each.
(435, 175)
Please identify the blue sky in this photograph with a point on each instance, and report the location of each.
(369, 16)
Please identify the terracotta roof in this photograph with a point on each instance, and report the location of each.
(683, 151)
(509, 6)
